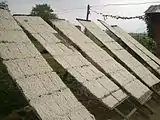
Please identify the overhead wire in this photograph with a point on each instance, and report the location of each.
(125, 4)
(105, 5)
(70, 10)
(105, 16)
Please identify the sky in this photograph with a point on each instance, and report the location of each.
(67, 9)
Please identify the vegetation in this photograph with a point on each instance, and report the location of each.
(44, 11)
(4, 5)
(146, 41)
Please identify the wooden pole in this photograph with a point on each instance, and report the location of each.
(88, 12)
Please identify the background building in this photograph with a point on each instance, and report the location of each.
(153, 13)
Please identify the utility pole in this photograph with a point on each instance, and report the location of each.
(88, 12)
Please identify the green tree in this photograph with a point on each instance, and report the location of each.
(44, 11)
(146, 41)
(4, 5)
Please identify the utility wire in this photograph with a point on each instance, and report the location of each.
(126, 4)
(105, 5)
(105, 16)
(70, 10)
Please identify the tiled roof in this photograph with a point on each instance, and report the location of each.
(153, 9)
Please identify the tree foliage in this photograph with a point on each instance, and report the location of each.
(44, 11)
(4, 5)
(146, 41)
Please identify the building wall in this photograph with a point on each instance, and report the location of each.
(157, 38)
(155, 18)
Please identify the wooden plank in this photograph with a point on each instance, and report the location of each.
(42, 87)
(97, 55)
(72, 61)
(135, 46)
(121, 53)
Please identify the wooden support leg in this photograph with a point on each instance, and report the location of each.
(144, 114)
(156, 99)
(156, 93)
(130, 102)
(149, 109)
(121, 114)
(131, 113)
